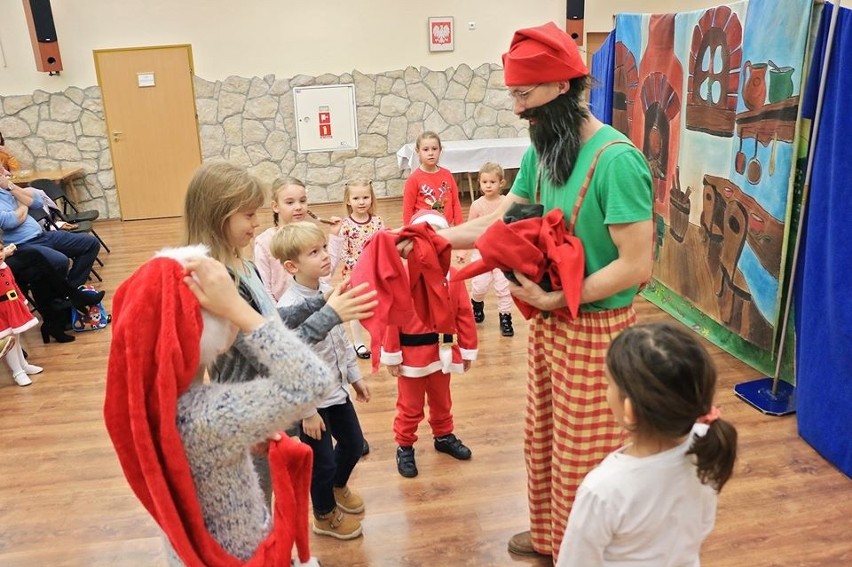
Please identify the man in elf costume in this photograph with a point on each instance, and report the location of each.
(568, 425)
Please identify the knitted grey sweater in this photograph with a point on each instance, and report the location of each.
(218, 424)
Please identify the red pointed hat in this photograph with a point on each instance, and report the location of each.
(154, 355)
(542, 54)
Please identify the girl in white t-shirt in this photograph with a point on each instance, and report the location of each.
(653, 502)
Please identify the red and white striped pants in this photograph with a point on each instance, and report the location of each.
(569, 427)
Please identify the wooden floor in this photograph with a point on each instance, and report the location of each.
(64, 502)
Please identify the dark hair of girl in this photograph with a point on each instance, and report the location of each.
(670, 380)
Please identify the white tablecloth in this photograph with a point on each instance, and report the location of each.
(460, 156)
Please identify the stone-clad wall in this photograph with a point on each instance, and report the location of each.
(250, 121)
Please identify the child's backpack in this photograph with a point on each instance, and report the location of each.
(95, 317)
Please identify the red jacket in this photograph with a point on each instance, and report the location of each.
(422, 360)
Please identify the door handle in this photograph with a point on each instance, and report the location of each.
(116, 134)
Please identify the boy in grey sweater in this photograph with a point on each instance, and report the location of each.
(301, 248)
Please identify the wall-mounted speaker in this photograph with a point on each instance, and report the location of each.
(43, 35)
(574, 20)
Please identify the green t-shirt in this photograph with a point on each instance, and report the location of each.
(620, 192)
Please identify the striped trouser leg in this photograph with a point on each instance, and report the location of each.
(569, 427)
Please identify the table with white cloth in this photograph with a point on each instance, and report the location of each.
(467, 156)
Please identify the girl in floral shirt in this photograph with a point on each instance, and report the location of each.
(354, 231)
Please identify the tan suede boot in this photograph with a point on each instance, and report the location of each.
(336, 524)
(348, 501)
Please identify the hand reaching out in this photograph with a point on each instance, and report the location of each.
(354, 303)
(211, 284)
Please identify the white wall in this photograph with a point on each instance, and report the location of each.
(285, 37)
(260, 37)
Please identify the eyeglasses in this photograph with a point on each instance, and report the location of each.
(521, 96)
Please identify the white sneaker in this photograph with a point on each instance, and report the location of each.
(22, 379)
(33, 369)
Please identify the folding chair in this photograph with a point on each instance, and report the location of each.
(56, 192)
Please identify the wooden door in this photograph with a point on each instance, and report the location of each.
(594, 40)
(149, 104)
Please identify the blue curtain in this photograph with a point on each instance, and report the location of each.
(823, 291)
(600, 98)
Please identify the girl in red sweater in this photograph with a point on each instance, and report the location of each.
(431, 186)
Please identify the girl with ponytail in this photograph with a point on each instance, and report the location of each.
(653, 502)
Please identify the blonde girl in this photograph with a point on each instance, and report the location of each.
(221, 212)
(430, 186)
(354, 231)
(492, 180)
(289, 204)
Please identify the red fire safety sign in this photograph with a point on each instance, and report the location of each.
(324, 122)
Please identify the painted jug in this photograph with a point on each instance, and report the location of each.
(754, 89)
(780, 83)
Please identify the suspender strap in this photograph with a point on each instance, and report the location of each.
(583, 189)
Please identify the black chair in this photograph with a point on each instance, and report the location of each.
(48, 223)
(57, 193)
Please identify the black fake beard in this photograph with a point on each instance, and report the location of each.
(555, 133)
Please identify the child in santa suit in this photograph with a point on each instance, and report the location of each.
(422, 360)
(15, 318)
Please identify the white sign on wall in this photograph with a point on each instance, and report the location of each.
(326, 118)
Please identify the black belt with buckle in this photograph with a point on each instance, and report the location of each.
(422, 339)
(10, 295)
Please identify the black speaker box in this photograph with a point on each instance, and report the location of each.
(575, 9)
(43, 35)
(574, 24)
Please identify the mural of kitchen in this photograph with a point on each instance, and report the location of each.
(711, 97)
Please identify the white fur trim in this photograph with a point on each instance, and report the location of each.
(389, 358)
(445, 354)
(313, 562)
(216, 333)
(184, 253)
(468, 354)
(421, 371)
(437, 221)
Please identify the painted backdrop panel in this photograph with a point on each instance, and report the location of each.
(711, 97)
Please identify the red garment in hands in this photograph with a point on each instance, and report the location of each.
(534, 247)
(428, 265)
(381, 267)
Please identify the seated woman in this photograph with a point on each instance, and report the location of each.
(53, 295)
(7, 160)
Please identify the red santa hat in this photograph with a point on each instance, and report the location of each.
(542, 54)
(155, 354)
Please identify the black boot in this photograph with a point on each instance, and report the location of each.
(478, 310)
(53, 323)
(506, 325)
